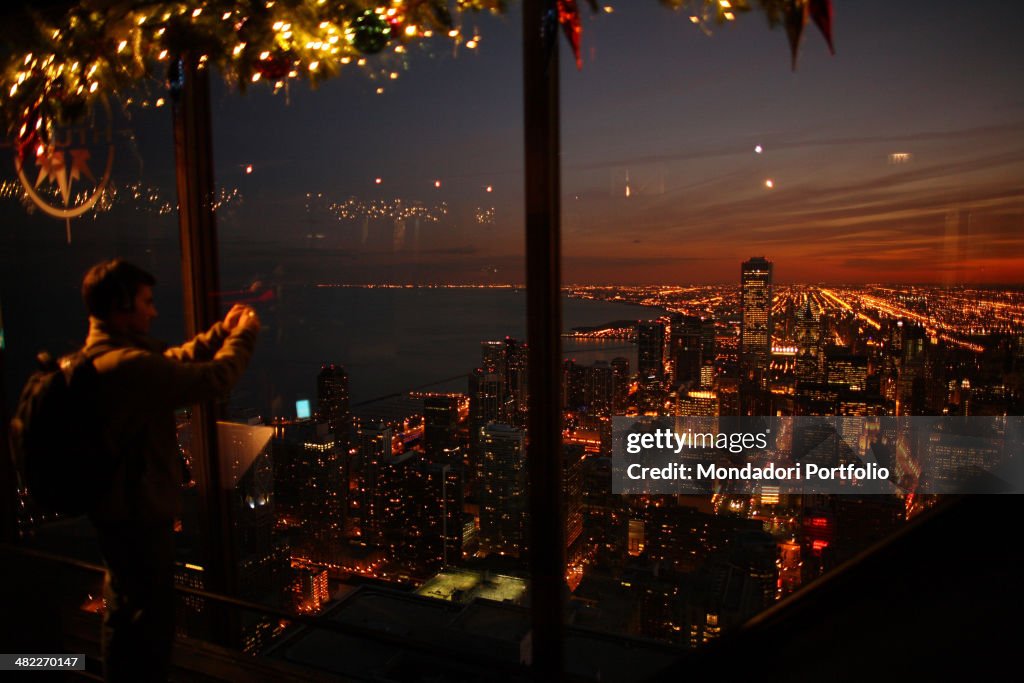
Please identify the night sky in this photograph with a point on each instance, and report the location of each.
(660, 107)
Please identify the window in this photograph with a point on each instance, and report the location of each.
(726, 225)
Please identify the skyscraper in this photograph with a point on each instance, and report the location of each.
(686, 348)
(441, 512)
(516, 386)
(507, 361)
(808, 340)
(650, 342)
(309, 478)
(440, 429)
(756, 321)
(502, 490)
(620, 385)
(373, 445)
(332, 402)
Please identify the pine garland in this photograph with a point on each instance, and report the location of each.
(53, 71)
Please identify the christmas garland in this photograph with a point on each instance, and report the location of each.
(53, 70)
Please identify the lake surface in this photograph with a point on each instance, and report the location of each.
(394, 340)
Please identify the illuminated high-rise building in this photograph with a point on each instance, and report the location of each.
(492, 356)
(441, 516)
(842, 367)
(756, 321)
(686, 348)
(635, 542)
(373, 450)
(620, 385)
(393, 485)
(699, 402)
(599, 389)
(309, 590)
(333, 402)
(440, 429)
(572, 494)
(502, 489)
(309, 478)
(486, 389)
(516, 387)
(572, 385)
(588, 389)
(485, 406)
(650, 342)
(506, 360)
(707, 375)
(808, 343)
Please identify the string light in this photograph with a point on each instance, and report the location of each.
(395, 209)
(123, 44)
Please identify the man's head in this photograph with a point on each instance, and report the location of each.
(120, 294)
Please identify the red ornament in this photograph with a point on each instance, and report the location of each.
(276, 66)
(821, 14)
(29, 137)
(569, 18)
(28, 143)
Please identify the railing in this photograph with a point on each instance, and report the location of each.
(509, 670)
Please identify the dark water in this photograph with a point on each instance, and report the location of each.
(394, 340)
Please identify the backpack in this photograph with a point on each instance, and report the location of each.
(56, 434)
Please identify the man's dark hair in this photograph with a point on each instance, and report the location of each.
(111, 286)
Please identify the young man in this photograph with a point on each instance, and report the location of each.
(141, 384)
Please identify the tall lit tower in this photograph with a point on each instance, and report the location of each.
(332, 402)
(650, 343)
(808, 341)
(756, 323)
(502, 493)
(440, 429)
(686, 347)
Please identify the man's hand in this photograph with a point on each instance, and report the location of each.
(248, 321)
(241, 317)
(234, 316)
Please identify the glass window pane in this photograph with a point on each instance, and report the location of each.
(377, 440)
(754, 211)
(43, 259)
(122, 160)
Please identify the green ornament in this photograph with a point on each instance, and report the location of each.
(371, 33)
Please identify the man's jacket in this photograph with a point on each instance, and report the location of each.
(141, 385)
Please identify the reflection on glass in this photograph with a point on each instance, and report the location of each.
(828, 250)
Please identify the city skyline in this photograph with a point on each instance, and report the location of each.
(896, 160)
(833, 252)
(682, 137)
